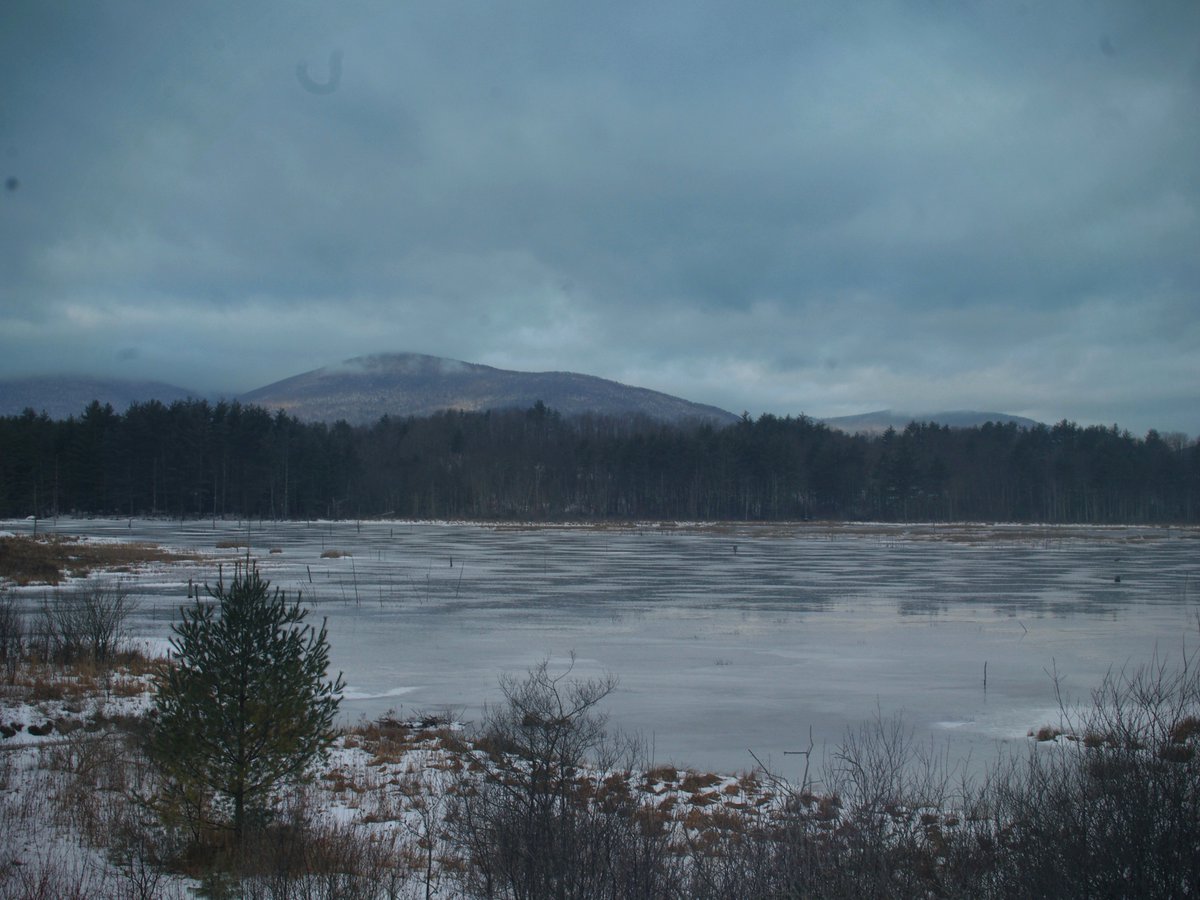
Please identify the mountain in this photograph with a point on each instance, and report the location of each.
(63, 396)
(363, 389)
(880, 421)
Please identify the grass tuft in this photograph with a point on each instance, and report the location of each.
(48, 558)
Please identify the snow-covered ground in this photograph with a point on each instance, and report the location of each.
(725, 639)
(67, 776)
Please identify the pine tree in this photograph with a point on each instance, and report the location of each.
(245, 708)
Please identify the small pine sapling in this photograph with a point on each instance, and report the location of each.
(245, 707)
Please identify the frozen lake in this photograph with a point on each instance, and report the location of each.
(725, 638)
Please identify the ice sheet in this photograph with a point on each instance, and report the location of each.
(725, 639)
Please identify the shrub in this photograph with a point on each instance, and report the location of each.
(1115, 815)
(86, 623)
(528, 827)
(12, 634)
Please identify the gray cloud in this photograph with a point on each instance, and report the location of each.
(802, 207)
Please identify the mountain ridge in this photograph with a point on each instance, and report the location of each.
(362, 389)
(881, 420)
(63, 396)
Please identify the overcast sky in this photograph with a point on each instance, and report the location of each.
(788, 207)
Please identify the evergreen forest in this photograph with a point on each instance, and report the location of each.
(196, 459)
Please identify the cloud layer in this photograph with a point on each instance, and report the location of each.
(825, 208)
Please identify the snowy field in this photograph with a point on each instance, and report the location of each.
(725, 639)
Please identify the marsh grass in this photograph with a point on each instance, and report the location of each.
(37, 681)
(49, 558)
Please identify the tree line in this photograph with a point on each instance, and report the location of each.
(195, 459)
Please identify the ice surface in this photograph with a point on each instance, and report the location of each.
(725, 639)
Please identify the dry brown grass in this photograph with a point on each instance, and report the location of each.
(694, 782)
(384, 729)
(1178, 753)
(334, 554)
(46, 559)
(35, 681)
(718, 819)
(1186, 728)
(665, 773)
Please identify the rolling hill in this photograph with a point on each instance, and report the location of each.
(363, 389)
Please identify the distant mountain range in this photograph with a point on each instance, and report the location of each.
(364, 389)
(63, 396)
(880, 421)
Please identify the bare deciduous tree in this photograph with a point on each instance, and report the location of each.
(86, 622)
(533, 825)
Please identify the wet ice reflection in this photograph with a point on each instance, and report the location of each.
(725, 639)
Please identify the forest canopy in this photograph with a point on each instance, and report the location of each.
(195, 459)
